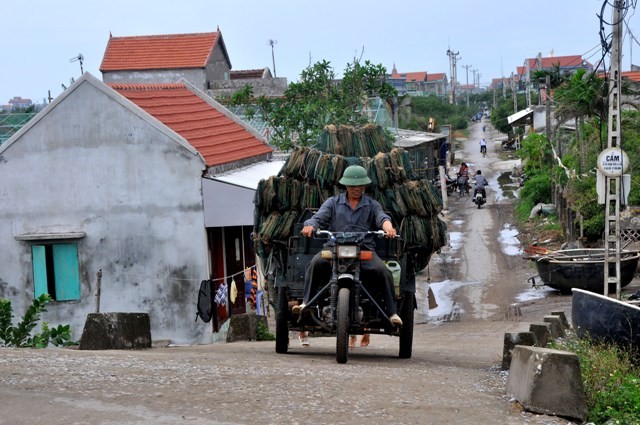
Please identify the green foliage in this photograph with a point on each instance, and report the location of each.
(263, 334)
(6, 318)
(536, 154)
(581, 95)
(611, 380)
(536, 190)
(499, 116)
(20, 335)
(317, 99)
(425, 107)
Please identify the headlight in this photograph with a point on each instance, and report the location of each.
(326, 254)
(347, 251)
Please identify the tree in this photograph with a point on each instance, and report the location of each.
(318, 99)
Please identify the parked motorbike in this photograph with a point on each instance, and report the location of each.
(451, 183)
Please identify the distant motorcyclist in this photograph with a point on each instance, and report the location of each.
(483, 146)
(481, 182)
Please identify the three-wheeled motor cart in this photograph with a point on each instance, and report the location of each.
(343, 305)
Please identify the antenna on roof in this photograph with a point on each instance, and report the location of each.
(272, 43)
(80, 59)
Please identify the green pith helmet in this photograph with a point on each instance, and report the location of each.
(355, 175)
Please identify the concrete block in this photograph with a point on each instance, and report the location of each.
(563, 318)
(243, 327)
(116, 331)
(547, 381)
(542, 331)
(557, 331)
(511, 339)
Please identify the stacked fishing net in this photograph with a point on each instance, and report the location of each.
(311, 175)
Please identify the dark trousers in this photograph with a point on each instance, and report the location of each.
(372, 272)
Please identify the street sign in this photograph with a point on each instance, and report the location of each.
(613, 162)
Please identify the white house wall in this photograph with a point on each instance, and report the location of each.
(91, 165)
(227, 204)
(196, 76)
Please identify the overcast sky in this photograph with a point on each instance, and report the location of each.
(494, 36)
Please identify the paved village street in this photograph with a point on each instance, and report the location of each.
(453, 376)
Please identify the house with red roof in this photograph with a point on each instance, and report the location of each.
(124, 179)
(200, 58)
(421, 83)
(566, 64)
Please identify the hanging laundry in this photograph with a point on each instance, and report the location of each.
(251, 286)
(234, 292)
(222, 294)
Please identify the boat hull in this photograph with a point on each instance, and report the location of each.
(584, 269)
(606, 319)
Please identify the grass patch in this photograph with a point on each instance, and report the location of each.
(263, 334)
(610, 377)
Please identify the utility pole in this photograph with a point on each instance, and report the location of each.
(273, 56)
(547, 92)
(612, 184)
(466, 67)
(474, 78)
(527, 72)
(514, 94)
(453, 58)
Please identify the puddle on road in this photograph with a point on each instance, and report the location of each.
(508, 185)
(448, 310)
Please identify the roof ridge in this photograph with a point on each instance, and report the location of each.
(146, 86)
(168, 35)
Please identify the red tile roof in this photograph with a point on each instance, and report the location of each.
(633, 76)
(441, 76)
(416, 76)
(159, 51)
(562, 61)
(211, 131)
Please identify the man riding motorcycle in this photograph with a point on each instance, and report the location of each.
(481, 182)
(353, 211)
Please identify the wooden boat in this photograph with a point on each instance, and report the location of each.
(583, 269)
(606, 319)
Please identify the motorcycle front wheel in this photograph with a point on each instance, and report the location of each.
(342, 330)
(282, 324)
(406, 332)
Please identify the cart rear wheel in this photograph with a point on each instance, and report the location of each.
(342, 334)
(406, 332)
(282, 326)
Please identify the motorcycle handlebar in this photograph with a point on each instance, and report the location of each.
(379, 233)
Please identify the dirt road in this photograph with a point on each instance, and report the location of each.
(453, 376)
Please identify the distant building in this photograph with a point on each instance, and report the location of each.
(566, 65)
(200, 58)
(419, 83)
(261, 80)
(17, 104)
